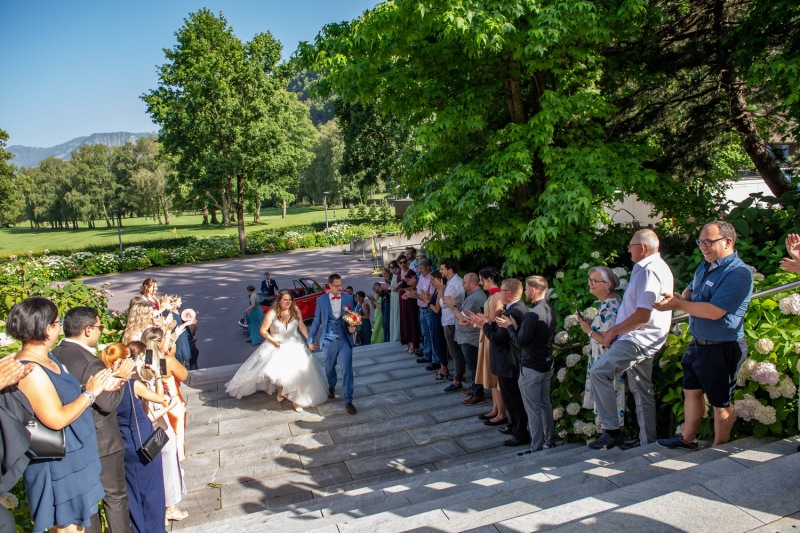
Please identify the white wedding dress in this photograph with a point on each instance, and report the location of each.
(291, 366)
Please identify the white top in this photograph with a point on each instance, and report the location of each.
(454, 288)
(650, 278)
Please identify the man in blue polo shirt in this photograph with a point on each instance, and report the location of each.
(716, 301)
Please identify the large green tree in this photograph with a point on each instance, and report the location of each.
(222, 110)
(504, 101)
(11, 201)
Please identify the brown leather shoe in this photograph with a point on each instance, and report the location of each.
(351, 409)
(475, 400)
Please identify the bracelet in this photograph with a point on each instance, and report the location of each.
(89, 396)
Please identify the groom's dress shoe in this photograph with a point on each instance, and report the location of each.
(331, 393)
(351, 409)
(514, 441)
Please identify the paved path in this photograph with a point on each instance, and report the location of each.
(217, 291)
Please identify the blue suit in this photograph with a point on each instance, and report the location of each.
(336, 342)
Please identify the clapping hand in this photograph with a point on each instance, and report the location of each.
(449, 301)
(669, 302)
(478, 319)
(102, 381)
(12, 371)
(505, 321)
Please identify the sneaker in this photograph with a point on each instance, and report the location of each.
(607, 441)
(677, 442)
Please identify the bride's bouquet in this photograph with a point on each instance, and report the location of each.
(351, 318)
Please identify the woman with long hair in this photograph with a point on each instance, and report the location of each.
(140, 317)
(144, 480)
(62, 493)
(283, 363)
(490, 281)
(439, 343)
(171, 419)
(148, 290)
(254, 317)
(394, 302)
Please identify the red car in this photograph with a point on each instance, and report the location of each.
(305, 292)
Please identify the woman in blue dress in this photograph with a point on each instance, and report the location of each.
(144, 480)
(254, 316)
(62, 493)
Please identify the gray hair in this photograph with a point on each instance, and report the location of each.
(607, 275)
(649, 238)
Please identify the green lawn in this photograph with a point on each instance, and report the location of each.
(22, 238)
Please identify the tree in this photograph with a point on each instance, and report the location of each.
(93, 187)
(504, 103)
(11, 201)
(221, 110)
(323, 175)
(146, 178)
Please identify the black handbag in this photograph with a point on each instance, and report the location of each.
(45, 443)
(149, 449)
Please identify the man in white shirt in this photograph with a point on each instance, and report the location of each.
(453, 297)
(639, 332)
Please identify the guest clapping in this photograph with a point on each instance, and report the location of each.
(792, 263)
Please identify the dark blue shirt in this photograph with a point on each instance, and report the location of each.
(728, 286)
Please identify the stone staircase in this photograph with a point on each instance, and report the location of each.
(416, 459)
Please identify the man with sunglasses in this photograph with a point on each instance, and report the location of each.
(716, 301)
(82, 328)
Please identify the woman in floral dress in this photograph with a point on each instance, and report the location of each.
(603, 284)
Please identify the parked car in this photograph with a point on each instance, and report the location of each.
(305, 292)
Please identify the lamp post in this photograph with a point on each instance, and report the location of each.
(119, 232)
(326, 193)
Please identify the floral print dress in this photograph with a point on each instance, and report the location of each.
(604, 320)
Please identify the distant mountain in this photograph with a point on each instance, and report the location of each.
(29, 156)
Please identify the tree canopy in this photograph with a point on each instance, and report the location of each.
(11, 202)
(224, 113)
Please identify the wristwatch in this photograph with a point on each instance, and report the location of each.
(89, 396)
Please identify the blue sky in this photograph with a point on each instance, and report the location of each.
(75, 68)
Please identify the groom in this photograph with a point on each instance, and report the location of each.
(337, 338)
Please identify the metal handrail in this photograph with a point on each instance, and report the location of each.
(759, 294)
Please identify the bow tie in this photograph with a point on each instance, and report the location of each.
(336, 297)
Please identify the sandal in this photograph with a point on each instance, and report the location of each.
(173, 513)
(439, 376)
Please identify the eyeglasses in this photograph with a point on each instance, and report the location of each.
(596, 281)
(101, 327)
(339, 286)
(57, 321)
(707, 242)
(402, 262)
(634, 244)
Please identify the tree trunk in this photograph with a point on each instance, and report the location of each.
(240, 212)
(205, 215)
(740, 115)
(257, 214)
(516, 109)
(164, 201)
(227, 200)
(283, 208)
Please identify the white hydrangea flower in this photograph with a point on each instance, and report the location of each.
(785, 388)
(679, 429)
(584, 266)
(562, 434)
(595, 255)
(662, 363)
(790, 305)
(764, 346)
(562, 337)
(9, 501)
(571, 321)
(620, 272)
(589, 313)
(573, 359)
(749, 408)
(5, 340)
(558, 413)
(561, 375)
(559, 275)
(587, 349)
(751, 268)
(551, 295)
(623, 284)
(573, 409)
(797, 350)
(765, 373)
(758, 277)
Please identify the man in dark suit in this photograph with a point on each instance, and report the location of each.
(82, 328)
(504, 360)
(337, 338)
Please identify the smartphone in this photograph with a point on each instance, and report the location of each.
(148, 357)
(162, 366)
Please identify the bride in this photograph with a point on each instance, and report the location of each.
(283, 362)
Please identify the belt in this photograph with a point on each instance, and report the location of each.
(701, 342)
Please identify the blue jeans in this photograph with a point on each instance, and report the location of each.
(471, 358)
(427, 339)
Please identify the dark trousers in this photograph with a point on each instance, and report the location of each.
(471, 357)
(516, 408)
(454, 350)
(116, 500)
(386, 310)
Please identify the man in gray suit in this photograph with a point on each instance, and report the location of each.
(82, 328)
